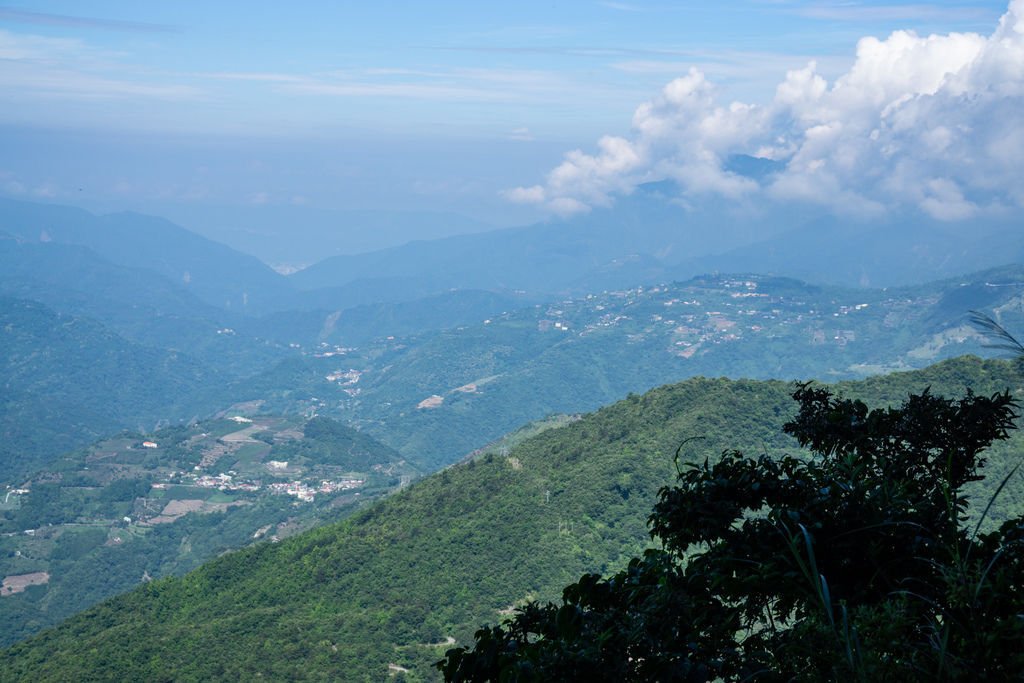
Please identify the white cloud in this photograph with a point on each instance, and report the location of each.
(848, 11)
(935, 122)
(78, 21)
(22, 47)
(525, 195)
(469, 84)
(945, 201)
(594, 177)
(60, 68)
(10, 184)
(567, 206)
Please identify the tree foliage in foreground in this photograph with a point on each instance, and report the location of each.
(858, 563)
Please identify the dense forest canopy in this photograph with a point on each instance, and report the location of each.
(858, 563)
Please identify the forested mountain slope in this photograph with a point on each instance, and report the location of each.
(437, 395)
(67, 380)
(387, 590)
(136, 507)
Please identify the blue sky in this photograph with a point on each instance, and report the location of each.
(419, 105)
(561, 69)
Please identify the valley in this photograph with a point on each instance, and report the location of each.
(148, 430)
(385, 589)
(439, 394)
(136, 507)
(535, 341)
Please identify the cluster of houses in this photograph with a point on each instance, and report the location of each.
(347, 379)
(690, 330)
(301, 490)
(306, 492)
(327, 351)
(225, 482)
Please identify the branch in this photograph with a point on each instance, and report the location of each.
(1002, 340)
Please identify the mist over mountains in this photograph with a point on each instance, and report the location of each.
(489, 323)
(648, 237)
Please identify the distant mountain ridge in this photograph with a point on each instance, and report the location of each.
(542, 258)
(145, 254)
(651, 236)
(136, 303)
(313, 233)
(888, 253)
(214, 272)
(647, 237)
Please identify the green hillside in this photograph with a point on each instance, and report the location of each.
(137, 507)
(385, 591)
(68, 380)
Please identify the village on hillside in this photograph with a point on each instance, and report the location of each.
(234, 471)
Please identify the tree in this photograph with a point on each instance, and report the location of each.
(857, 562)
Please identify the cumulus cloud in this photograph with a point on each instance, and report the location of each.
(935, 122)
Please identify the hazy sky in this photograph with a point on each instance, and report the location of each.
(452, 105)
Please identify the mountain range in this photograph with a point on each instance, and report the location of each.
(438, 394)
(645, 238)
(431, 351)
(432, 366)
(649, 237)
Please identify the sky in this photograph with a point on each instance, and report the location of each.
(507, 112)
